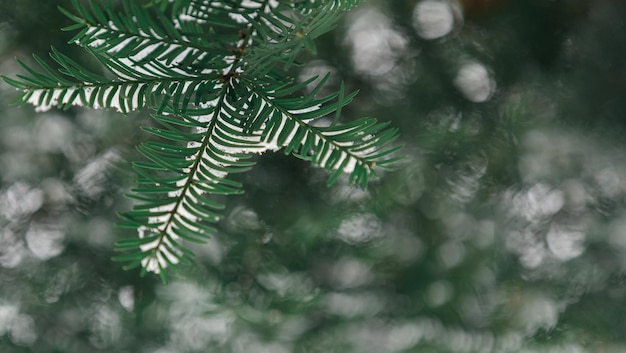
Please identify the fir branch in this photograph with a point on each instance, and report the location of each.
(210, 73)
(219, 147)
(354, 148)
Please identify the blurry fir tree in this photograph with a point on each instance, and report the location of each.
(502, 232)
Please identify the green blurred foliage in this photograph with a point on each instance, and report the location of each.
(504, 229)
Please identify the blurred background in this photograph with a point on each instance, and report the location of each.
(503, 230)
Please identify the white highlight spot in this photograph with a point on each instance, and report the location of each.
(12, 250)
(565, 244)
(376, 46)
(475, 82)
(20, 327)
(44, 243)
(20, 200)
(126, 297)
(433, 19)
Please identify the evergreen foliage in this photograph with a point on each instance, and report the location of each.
(214, 75)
